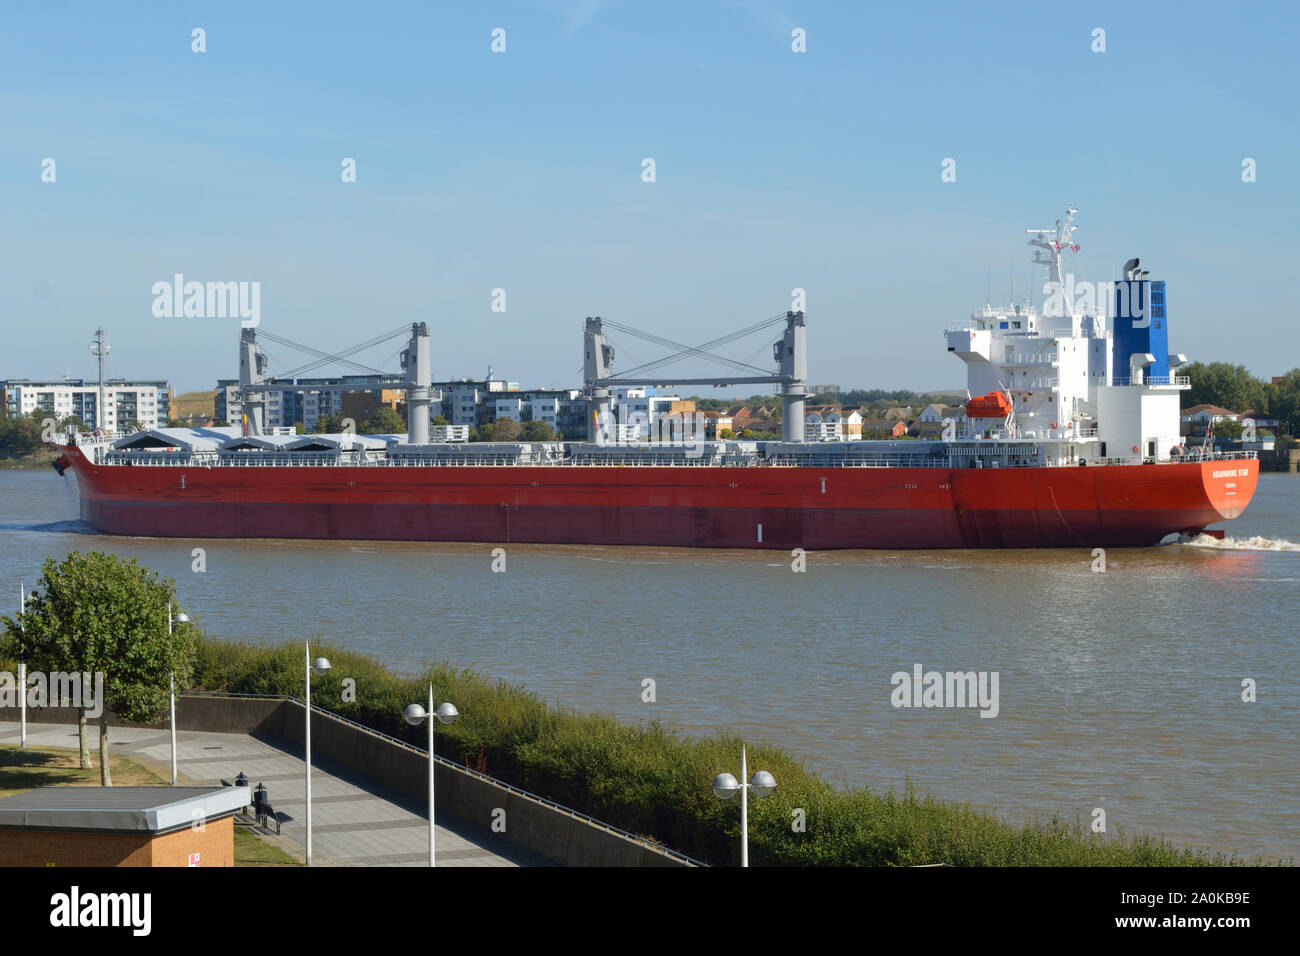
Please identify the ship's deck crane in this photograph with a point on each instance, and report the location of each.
(789, 354)
(415, 363)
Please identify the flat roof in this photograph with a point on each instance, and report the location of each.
(131, 809)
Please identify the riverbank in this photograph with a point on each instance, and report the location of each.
(655, 782)
(43, 457)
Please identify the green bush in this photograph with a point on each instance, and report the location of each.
(655, 783)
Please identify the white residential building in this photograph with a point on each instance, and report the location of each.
(126, 404)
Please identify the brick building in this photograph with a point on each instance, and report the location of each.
(121, 826)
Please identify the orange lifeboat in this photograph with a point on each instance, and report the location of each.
(993, 405)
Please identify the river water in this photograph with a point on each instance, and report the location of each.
(1120, 690)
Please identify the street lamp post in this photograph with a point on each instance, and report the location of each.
(181, 618)
(445, 714)
(22, 669)
(725, 786)
(321, 666)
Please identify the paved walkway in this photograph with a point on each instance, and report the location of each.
(355, 821)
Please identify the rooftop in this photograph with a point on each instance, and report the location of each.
(133, 809)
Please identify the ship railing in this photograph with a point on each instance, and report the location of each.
(647, 461)
(1182, 381)
(423, 752)
(1032, 358)
(835, 461)
(477, 461)
(163, 459)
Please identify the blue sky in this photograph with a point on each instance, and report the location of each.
(522, 171)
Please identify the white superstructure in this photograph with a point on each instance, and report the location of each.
(1056, 365)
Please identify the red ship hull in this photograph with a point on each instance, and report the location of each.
(751, 507)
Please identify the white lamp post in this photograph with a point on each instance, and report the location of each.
(725, 786)
(22, 670)
(181, 618)
(320, 666)
(445, 714)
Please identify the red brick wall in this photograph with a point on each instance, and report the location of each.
(215, 846)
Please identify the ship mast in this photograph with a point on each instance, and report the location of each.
(1048, 244)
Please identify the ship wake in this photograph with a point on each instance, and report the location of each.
(1229, 543)
(72, 526)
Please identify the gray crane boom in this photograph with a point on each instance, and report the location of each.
(790, 355)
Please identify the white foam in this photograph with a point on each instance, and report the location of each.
(1253, 543)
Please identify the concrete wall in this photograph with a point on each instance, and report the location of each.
(546, 830)
(258, 716)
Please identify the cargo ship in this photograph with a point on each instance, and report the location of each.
(1069, 438)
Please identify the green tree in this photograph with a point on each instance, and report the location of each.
(384, 420)
(726, 434)
(98, 613)
(1286, 402)
(503, 429)
(537, 431)
(329, 424)
(1228, 386)
(21, 435)
(439, 420)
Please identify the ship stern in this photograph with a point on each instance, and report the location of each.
(1230, 484)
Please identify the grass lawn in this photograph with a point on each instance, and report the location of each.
(32, 767)
(26, 768)
(252, 850)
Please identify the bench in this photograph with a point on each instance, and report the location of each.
(260, 813)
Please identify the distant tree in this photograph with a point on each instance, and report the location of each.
(329, 424)
(711, 404)
(99, 613)
(300, 428)
(748, 434)
(21, 435)
(384, 420)
(176, 423)
(503, 429)
(537, 431)
(1228, 429)
(726, 434)
(439, 420)
(1228, 386)
(1286, 402)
